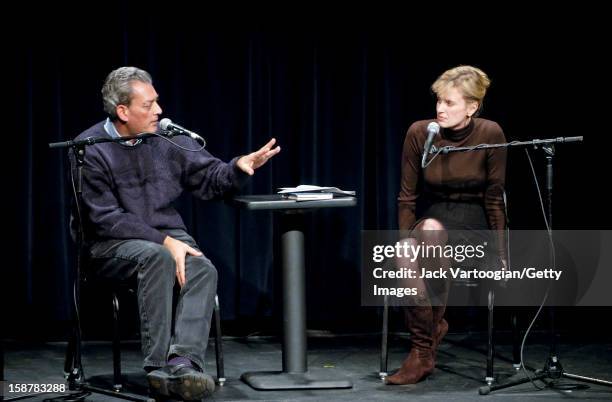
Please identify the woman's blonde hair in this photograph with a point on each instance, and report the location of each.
(472, 82)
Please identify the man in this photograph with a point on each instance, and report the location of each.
(132, 230)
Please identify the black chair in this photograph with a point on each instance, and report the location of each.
(116, 289)
(489, 378)
(466, 285)
(73, 369)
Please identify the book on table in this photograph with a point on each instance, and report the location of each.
(308, 196)
(309, 192)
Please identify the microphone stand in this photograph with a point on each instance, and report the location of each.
(553, 370)
(81, 144)
(535, 143)
(73, 368)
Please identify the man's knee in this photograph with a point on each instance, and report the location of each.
(157, 261)
(202, 268)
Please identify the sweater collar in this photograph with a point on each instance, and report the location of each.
(111, 130)
(458, 135)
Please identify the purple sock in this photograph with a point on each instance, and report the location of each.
(176, 360)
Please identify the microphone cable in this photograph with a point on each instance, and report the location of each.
(549, 384)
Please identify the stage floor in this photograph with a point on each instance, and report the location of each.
(459, 373)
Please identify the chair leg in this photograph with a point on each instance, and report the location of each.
(384, 350)
(219, 343)
(117, 383)
(490, 348)
(516, 341)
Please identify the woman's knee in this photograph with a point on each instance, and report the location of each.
(431, 224)
(432, 231)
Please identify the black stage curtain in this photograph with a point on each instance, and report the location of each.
(339, 103)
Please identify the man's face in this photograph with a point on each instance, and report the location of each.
(142, 114)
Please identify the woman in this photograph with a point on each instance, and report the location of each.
(457, 191)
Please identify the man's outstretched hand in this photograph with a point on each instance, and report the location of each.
(254, 160)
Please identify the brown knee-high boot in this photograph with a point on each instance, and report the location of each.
(419, 363)
(440, 325)
(440, 328)
(439, 289)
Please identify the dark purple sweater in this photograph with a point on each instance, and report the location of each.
(128, 190)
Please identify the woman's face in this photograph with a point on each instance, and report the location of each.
(452, 110)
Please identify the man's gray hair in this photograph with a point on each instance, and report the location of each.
(117, 88)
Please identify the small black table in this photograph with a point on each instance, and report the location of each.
(295, 374)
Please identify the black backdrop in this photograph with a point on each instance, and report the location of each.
(337, 97)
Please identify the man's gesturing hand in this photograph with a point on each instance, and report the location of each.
(254, 160)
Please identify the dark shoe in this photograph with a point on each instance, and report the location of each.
(181, 381)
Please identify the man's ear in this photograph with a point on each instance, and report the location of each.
(123, 113)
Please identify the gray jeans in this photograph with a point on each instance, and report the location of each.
(154, 268)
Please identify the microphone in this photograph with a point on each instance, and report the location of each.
(167, 125)
(433, 128)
